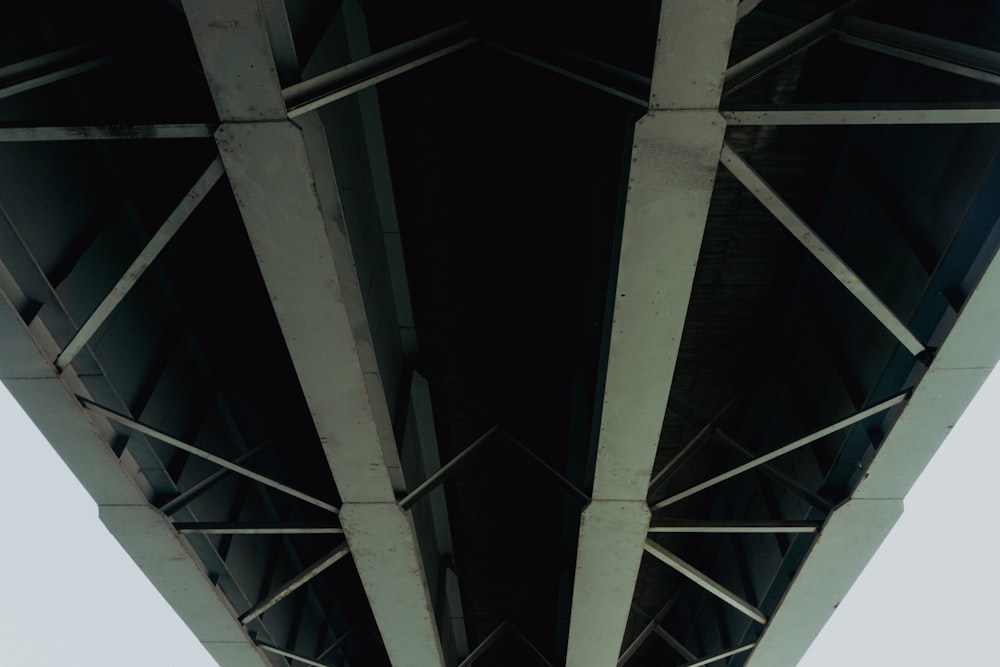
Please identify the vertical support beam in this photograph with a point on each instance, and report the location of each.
(670, 186)
(283, 181)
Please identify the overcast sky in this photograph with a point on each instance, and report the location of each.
(70, 595)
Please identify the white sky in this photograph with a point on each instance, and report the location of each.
(70, 595)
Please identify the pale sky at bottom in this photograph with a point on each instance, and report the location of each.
(70, 595)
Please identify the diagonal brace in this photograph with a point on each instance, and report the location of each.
(208, 456)
(485, 644)
(720, 656)
(446, 471)
(704, 581)
(294, 584)
(766, 195)
(650, 628)
(146, 257)
(344, 81)
(182, 499)
(781, 451)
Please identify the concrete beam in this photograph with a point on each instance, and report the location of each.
(912, 114)
(283, 182)
(670, 186)
(83, 440)
(856, 528)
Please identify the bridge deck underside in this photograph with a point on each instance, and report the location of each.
(483, 195)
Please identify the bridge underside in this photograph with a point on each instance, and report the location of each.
(386, 334)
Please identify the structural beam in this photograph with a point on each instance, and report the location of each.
(282, 176)
(747, 6)
(272, 528)
(781, 451)
(567, 487)
(773, 202)
(704, 433)
(270, 648)
(720, 656)
(793, 485)
(649, 628)
(447, 470)
(85, 441)
(660, 632)
(484, 645)
(538, 655)
(13, 134)
(52, 67)
(182, 499)
(690, 526)
(338, 641)
(167, 439)
(295, 583)
(311, 94)
(943, 54)
(706, 582)
(784, 479)
(773, 55)
(857, 527)
(587, 71)
(670, 183)
(146, 257)
(957, 114)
